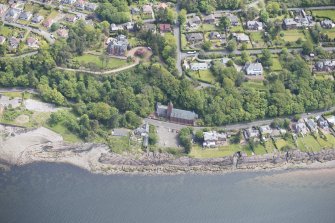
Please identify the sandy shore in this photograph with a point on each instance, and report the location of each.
(20, 147)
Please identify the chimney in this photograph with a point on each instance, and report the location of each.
(169, 109)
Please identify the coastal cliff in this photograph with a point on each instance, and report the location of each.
(20, 147)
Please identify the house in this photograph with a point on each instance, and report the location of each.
(3, 9)
(327, 24)
(254, 25)
(147, 9)
(149, 27)
(176, 115)
(162, 5)
(142, 130)
(71, 18)
(210, 19)
(331, 120)
(121, 132)
(233, 19)
(194, 37)
(68, 2)
(129, 26)
(194, 21)
(32, 42)
(214, 139)
(37, 18)
(322, 122)
(199, 66)
(311, 125)
(12, 14)
(265, 131)
(80, 4)
(289, 23)
(326, 65)
(163, 28)
(25, 15)
(47, 23)
(63, 33)
(135, 11)
(225, 60)
(115, 28)
(241, 37)
(300, 128)
(13, 42)
(2, 40)
(253, 69)
(89, 6)
(214, 35)
(118, 46)
(251, 133)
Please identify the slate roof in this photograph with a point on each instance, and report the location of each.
(183, 114)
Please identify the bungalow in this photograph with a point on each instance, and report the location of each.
(37, 18)
(327, 65)
(214, 139)
(115, 28)
(194, 21)
(129, 26)
(32, 42)
(118, 46)
(68, 2)
(176, 115)
(3, 9)
(311, 125)
(2, 40)
(71, 18)
(210, 19)
(265, 131)
(135, 11)
(25, 15)
(300, 128)
(254, 25)
(89, 6)
(47, 23)
(199, 66)
(163, 28)
(253, 69)
(12, 14)
(13, 42)
(327, 24)
(241, 37)
(194, 37)
(147, 9)
(322, 123)
(214, 35)
(63, 33)
(233, 19)
(251, 133)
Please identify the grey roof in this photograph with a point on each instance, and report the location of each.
(194, 36)
(289, 21)
(232, 18)
(195, 19)
(120, 132)
(183, 114)
(209, 17)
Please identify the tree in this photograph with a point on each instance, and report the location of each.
(185, 139)
(54, 27)
(266, 58)
(264, 16)
(182, 17)
(207, 45)
(307, 47)
(224, 23)
(231, 45)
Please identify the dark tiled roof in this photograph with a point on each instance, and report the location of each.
(183, 114)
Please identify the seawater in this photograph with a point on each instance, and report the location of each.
(60, 193)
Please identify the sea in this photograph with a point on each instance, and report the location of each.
(61, 193)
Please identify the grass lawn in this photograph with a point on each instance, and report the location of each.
(8, 31)
(276, 66)
(329, 32)
(203, 75)
(234, 29)
(330, 14)
(257, 39)
(184, 43)
(260, 150)
(65, 133)
(308, 143)
(207, 27)
(269, 147)
(198, 152)
(112, 62)
(293, 35)
(17, 95)
(257, 85)
(281, 143)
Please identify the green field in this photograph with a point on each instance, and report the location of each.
(111, 64)
(293, 35)
(257, 85)
(330, 14)
(329, 32)
(281, 143)
(257, 39)
(198, 152)
(203, 75)
(276, 66)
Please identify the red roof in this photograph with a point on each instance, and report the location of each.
(165, 27)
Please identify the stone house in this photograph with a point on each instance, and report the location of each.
(254, 25)
(210, 19)
(118, 46)
(176, 115)
(214, 139)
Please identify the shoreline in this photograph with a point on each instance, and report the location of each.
(43, 145)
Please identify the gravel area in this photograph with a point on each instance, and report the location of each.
(34, 105)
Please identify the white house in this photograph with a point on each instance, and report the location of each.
(254, 25)
(253, 69)
(214, 139)
(199, 66)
